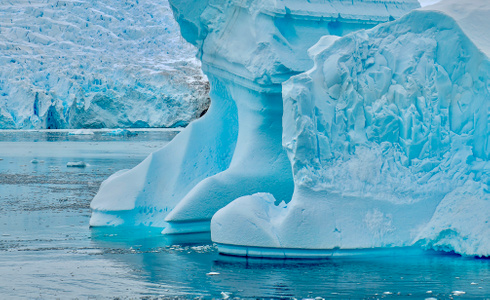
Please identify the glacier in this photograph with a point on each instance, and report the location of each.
(96, 64)
(247, 51)
(389, 141)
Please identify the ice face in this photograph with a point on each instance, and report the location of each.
(247, 51)
(388, 138)
(94, 64)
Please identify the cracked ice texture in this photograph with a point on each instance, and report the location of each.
(388, 138)
(93, 64)
(247, 50)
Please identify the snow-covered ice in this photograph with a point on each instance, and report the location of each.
(96, 64)
(388, 138)
(247, 51)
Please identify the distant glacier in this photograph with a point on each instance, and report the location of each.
(95, 64)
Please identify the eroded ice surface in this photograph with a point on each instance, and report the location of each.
(388, 137)
(247, 51)
(93, 64)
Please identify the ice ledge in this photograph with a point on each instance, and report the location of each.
(295, 253)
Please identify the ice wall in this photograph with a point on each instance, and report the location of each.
(389, 141)
(73, 64)
(247, 49)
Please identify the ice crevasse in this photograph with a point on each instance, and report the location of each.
(388, 138)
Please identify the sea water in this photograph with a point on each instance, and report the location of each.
(48, 251)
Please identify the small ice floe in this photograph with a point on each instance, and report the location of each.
(81, 132)
(212, 273)
(5, 234)
(387, 293)
(458, 293)
(225, 295)
(121, 132)
(1, 159)
(474, 283)
(76, 164)
(431, 298)
(428, 292)
(36, 161)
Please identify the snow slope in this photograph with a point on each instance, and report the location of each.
(247, 50)
(389, 141)
(92, 64)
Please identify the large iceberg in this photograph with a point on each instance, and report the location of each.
(389, 141)
(247, 49)
(94, 64)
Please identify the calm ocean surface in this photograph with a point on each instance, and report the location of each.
(48, 251)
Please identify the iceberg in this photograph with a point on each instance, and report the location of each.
(388, 136)
(247, 51)
(96, 64)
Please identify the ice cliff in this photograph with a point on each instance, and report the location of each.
(247, 49)
(388, 136)
(92, 64)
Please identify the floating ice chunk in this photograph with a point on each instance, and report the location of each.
(34, 161)
(121, 132)
(458, 293)
(212, 273)
(81, 132)
(76, 164)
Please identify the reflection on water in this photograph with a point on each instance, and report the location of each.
(48, 251)
(182, 269)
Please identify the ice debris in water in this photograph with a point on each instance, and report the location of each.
(121, 132)
(458, 293)
(212, 273)
(76, 164)
(81, 132)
